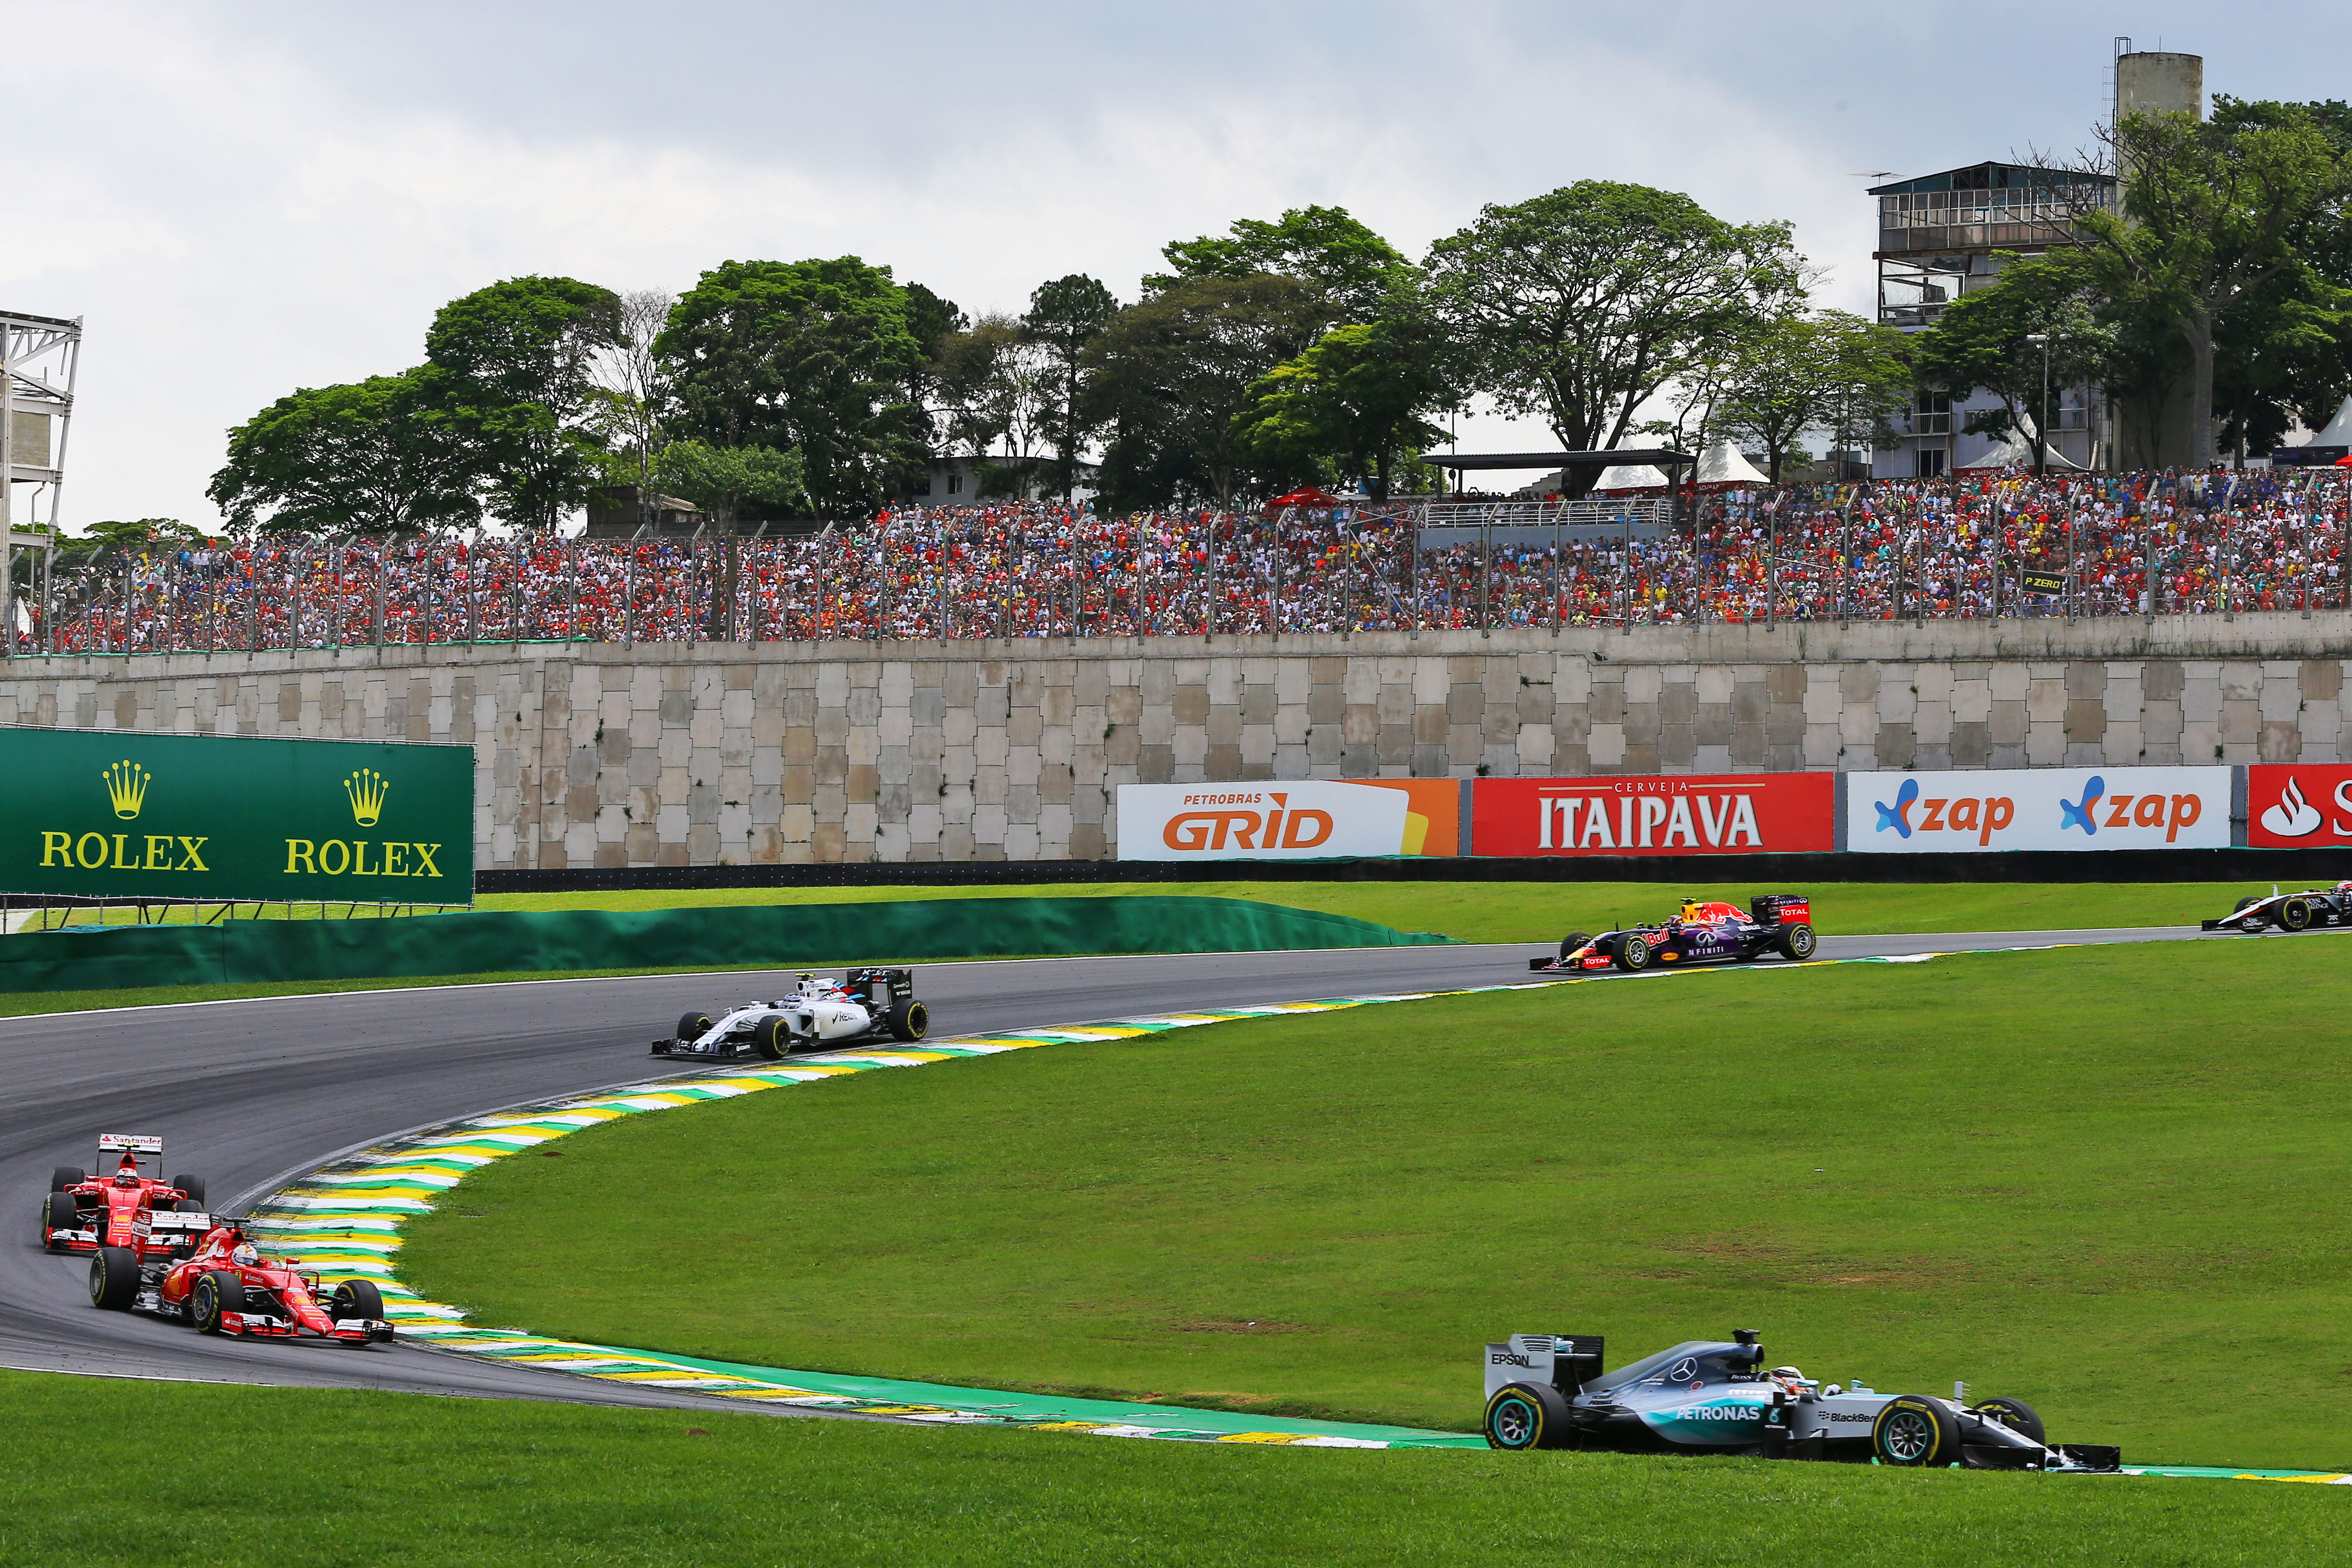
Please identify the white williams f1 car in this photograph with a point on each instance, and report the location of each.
(1548, 1391)
(871, 1004)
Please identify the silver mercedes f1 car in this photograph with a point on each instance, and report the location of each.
(1548, 1391)
(819, 1013)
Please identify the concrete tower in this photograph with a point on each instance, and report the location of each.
(2159, 83)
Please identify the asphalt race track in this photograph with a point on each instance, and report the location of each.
(248, 1094)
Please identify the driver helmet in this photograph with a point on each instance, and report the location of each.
(2344, 887)
(1787, 1376)
(127, 1173)
(247, 1254)
(1692, 910)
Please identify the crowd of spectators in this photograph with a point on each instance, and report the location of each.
(2010, 545)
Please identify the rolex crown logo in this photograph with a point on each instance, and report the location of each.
(367, 788)
(126, 787)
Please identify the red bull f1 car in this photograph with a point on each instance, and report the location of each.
(223, 1284)
(1701, 933)
(1548, 1391)
(871, 1004)
(125, 1208)
(2289, 911)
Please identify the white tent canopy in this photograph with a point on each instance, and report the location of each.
(2017, 452)
(1633, 476)
(1725, 464)
(2339, 429)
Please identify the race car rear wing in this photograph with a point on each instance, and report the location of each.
(1781, 909)
(129, 1144)
(1567, 1362)
(879, 989)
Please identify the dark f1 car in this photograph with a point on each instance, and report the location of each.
(224, 1284)
(1701, 933)
(127, 1206)
(871, 1004)
(1548, 1391)
(2289, 911)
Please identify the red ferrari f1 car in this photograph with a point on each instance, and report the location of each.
(128, 1208)
(228, 1287)
(1701, 933)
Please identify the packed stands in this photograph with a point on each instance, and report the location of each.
(1972, 548)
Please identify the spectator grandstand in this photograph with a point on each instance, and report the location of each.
(2011, 545)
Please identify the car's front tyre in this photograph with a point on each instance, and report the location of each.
(2294, 915)
(1525, 1415)
(113, 1278)
(1633, 954)
(1916, 1432)
(59, 1213)
(216, 1293)
(771, 1039)
(1570, 943)
(2014, 1413)
(692, 1027)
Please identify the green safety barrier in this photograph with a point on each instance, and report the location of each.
(553, 942)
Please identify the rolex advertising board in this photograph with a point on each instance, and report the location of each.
(116, 814)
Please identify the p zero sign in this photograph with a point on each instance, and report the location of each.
(2038, 808)
(1730, 814)
(114, 814)
(2297, 808)
(1302, 819)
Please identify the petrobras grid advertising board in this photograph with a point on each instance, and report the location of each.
(2037, 808)
(1699, 813)
(1300, 819)
(2299, 807)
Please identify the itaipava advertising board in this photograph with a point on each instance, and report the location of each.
(1997, 811)
(1298, 819)
(1725, 814)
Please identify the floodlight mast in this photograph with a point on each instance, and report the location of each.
(39, 356)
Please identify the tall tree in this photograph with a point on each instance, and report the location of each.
(813, 355)
(998, 386)
(1356, 399)
(1169, 375)
(720, 480)
(379, 456)
(1065, 317)
(1582, 304)
(629, 381)
(1810, 372)
(2026, 339)
(931, 322)
(517, 363)
(2214, 215)
(1352, 269)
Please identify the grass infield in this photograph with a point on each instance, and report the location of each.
(304, 1478)
(2101, 1180)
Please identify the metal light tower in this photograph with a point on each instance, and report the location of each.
(38, 358)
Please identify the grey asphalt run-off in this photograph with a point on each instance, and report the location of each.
(246, 1093)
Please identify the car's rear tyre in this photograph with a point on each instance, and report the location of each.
(2295, 914)
(113, 1278)
(59, 1213)
(2014, 1413)
(194, 1188)
(771, 1039)
(215, 1293)
(693, 1026)
(1571, 942)
(908, 1021)
(355, 1299)
(1633, 954)
(1797, 942)
(1526, 1415)
(64, 1176)
(1916, 1432)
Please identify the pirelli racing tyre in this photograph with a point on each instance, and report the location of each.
(693, 1026)
(908, 1021)
(2014, 1413)
(1526, 1415)
(194, 1188)
(1571, 942)
(771, 1039)
(355, 1299)
(59, 1213)
(113, 1278)
(2252, 922)
(1633, 954)
(2294, 915)
(1796, 942)
(215, 1293)
(64, 1176)
(1916, 1432)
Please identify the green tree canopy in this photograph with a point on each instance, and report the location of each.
(2025, 338)
(1582, 304)
(381, 455)
(1356, 400)
(721, 479)
(1827, 369)
(1169, 374)
(518, 374)
(811, 355)
(1352, 268)
(1065, 317)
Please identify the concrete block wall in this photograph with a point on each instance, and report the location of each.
(673, 754)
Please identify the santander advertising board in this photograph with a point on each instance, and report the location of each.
(2293, 806)
(1724, 813)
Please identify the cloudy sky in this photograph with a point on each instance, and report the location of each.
(243, 199)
